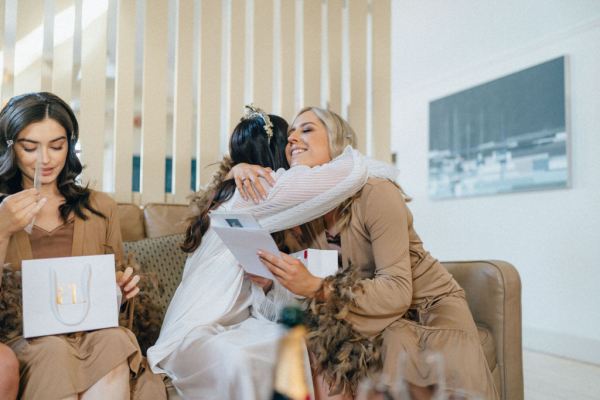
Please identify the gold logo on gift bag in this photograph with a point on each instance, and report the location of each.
(71, 310)
(60, 291)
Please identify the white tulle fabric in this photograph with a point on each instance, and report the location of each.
(219, 336)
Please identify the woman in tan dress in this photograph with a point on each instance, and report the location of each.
(390, 296)
(70, 220)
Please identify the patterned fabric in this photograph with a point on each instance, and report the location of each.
(160, 264)
(160, 257)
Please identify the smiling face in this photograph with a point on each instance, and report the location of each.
(308, 141)
(49, 137)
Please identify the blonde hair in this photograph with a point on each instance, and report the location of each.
(340, 135)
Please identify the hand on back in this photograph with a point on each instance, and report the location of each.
(247, 180)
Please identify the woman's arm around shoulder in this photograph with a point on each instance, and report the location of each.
(302, 193)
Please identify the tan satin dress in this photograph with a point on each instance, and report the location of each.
(404, 302)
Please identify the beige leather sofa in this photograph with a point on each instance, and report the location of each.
(493, 288)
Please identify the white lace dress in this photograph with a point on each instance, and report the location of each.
(219, 336)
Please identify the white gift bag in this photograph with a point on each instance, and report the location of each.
(70, 294)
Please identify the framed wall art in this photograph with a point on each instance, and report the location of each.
(506, 135)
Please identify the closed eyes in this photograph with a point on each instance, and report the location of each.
(31, 150)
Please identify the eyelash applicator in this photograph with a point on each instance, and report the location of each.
(37, 182)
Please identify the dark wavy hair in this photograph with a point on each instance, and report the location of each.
(248, 144)
(23, 110)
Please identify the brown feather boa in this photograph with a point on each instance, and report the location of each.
(11, 309)
(343, 356)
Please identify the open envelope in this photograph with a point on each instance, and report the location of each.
(70, 294)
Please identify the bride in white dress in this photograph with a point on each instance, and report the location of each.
(219, 336)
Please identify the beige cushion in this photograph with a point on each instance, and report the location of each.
(165, 219)
(163, 257)
(131, 219)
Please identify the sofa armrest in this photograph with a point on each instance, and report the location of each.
(493, 291)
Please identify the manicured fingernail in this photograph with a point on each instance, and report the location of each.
(260, 253)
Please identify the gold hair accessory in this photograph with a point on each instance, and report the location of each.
(251, 112)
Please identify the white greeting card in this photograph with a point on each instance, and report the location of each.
(243, 236)
(70, 294)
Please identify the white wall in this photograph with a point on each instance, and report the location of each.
(552, 237)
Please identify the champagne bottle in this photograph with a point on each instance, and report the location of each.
(290, 381)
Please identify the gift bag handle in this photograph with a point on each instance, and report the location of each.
(85, 279)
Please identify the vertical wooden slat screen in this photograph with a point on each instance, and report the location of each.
(29, 46)
(247, 50)
(298, 56)
(2, 49)
(263, 54)
(275, 106)
(8, 51)
(288, 65)
(324, 56)
(225, 83)
(312, 53)
(381, 11)
(358, 55)
(77, 37)
(62, 66)
(183, 106)
(210, 88)
(47, 45)
(236, 59)
(154, 104)
(334, 36)
(93, 90)
(124, 99)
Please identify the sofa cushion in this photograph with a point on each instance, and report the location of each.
(165, 219)
(161, 264)
(131, 219)
(163, 257)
